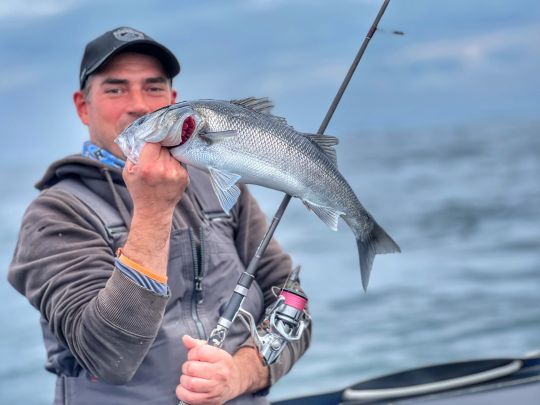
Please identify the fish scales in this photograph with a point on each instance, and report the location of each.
(267, 147)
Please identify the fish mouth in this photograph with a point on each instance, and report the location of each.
(188, 128)
(179, 133)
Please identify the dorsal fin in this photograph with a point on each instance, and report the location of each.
(326, 143)
(262, 105)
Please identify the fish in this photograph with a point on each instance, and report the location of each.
(240, 141)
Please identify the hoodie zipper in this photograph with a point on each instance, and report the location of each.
(200, 275)
(197, 296)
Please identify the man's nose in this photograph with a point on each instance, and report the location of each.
(138, 106)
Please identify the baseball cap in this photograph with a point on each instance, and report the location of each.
(103, 48)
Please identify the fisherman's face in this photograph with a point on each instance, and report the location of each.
(129, 86)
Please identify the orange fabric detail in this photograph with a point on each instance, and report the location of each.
(139, 267)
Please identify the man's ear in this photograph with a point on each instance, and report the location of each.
(81, 104)
(173, 96)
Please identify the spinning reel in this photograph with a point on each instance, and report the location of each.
(284, 320)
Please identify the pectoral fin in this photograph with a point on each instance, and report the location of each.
(224, 185)
(328, 215)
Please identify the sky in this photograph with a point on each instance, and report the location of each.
(458, 62)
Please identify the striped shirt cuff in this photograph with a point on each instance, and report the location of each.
(142, 280)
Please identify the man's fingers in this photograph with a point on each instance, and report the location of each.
(196, 384)
(190, 397)
(207, 353)
(198, 369)
(199, 350)
(208, 371)
(150, 151)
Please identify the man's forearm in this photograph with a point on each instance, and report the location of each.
(148, 241)
(156, 184)
(254, 375)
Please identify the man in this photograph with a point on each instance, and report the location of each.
(119, 324)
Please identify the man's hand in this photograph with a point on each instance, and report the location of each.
(156, 184)
(212, 376)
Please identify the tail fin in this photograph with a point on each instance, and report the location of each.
(377, 242)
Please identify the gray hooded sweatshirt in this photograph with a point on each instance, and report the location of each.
(109, 340)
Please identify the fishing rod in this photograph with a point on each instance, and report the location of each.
(231, 310)
(291, 301)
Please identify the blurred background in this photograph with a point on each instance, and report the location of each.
(439, 136)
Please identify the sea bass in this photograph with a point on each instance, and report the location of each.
(240, 141)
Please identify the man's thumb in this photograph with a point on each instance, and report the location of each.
(190, 343)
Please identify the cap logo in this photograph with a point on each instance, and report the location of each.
(127, 34)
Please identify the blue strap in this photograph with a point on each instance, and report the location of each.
(102, 155)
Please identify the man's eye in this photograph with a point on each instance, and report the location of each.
(155, 89)
(114, 90)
